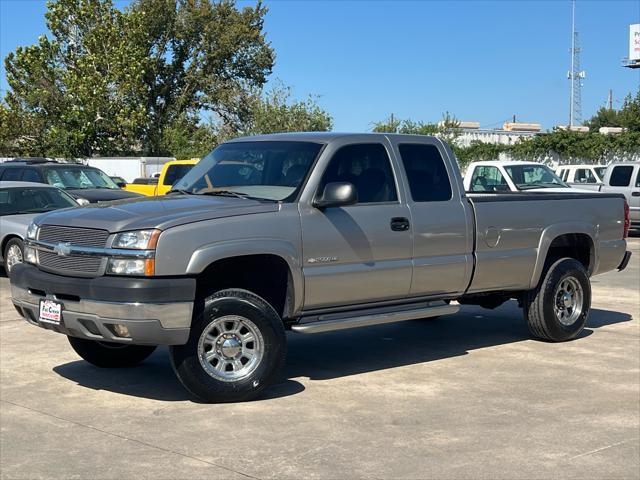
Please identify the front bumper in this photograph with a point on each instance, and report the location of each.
(156, 311)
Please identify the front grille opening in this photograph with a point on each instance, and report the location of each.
(35, 291)
(29, 315)
(66, 297)
(19, 310)
(90, 326)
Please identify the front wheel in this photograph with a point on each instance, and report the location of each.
(557, 309)
(108, 354)
(13, 254)
(236, 348)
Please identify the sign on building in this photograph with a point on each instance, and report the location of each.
(634, 42)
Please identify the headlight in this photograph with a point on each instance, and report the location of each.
(126, 266)
(30, 255)
(138, 240)
(32, 231)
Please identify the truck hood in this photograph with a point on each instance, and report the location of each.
(94, 195)
(155, 212)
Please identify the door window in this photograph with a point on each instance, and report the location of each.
(12, 174)
(426, 173)
(31, 175)
(368, 168)
(621, 176)
(584, 175)
(488, 179)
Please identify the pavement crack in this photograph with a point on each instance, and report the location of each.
(597, 450)
(122, 437)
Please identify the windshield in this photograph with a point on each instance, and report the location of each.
(20, 200)
(600, 172)
(533, 176)
(264, 170)
(78, 177)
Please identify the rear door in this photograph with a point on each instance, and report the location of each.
(356, 254)
(441, 218)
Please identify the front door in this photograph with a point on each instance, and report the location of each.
(357, 253)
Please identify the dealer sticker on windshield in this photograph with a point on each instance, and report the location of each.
(50, 311)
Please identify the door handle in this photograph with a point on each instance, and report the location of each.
(635, 194)
(400, 224)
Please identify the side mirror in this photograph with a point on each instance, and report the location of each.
(337, 194)
(121, 184)
(82, 201)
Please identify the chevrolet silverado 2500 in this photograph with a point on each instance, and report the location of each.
(312, 233)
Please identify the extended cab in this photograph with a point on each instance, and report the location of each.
(309, 233)
(171, 172)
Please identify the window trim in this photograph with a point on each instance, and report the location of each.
(398, 201)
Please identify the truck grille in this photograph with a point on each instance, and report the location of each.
(70, 264)
(82, 237)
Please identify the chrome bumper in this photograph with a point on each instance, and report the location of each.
(147, 323)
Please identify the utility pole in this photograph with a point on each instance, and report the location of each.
(575, 75)
(610, 99)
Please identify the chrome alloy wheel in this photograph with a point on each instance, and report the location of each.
(568, 301)
(230, 348)
(14, 256)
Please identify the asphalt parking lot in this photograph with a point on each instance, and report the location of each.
(466, 396)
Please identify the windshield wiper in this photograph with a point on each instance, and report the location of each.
(230, 193)
(181, 191)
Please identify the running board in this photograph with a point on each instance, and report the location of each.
(327, 323)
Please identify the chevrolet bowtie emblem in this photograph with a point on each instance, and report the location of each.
(62, 249)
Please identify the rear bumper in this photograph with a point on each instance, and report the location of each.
(625, 261)
(155, 311)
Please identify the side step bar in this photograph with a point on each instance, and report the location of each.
(328, 323)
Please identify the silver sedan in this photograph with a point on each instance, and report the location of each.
(20, 203)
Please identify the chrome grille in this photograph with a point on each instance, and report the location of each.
(71, 264)
(82, 237)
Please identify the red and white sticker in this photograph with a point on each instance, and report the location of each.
(50, 311)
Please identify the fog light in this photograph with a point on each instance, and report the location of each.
(121, 330)
(30, 255)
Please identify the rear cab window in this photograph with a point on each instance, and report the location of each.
(426, 172)
(621, 176)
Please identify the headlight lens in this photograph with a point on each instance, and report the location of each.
(32, 231)
(126, 266)
(138, 240)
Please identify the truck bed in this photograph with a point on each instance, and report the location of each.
(515, 230)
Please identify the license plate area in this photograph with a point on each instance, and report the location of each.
(50, 312)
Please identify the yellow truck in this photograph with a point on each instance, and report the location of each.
(171, 172)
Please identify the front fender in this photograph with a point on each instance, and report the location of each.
(208, 254)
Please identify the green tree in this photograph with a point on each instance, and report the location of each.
(114, 82)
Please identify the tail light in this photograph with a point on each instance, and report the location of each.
(627, 220)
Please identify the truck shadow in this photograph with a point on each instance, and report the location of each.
(339, 354)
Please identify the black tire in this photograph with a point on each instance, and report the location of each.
(262, 317)
(540, 304)
(13, 242)
(110, 355)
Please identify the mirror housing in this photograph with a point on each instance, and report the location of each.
(337, 194)
(121, 184)
(82, 201)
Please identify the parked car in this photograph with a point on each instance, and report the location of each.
(20, 203)
(326, 232)
(79, 181)
(119, 181)
(587, 177)
(171, 172)
(624, 178)
(499, 176)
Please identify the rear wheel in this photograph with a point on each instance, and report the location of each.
(108, 354)
(236, 348)
(557, 309)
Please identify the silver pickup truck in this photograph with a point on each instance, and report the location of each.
(308, 233)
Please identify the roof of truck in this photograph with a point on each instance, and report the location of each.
(322, 137)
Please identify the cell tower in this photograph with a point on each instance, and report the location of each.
(575, 75)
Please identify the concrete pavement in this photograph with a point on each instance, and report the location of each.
(466, 396)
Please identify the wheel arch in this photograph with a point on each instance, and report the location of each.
(243, 264)
(5, 240)
(574, 240)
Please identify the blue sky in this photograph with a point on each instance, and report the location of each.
(480, 60)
